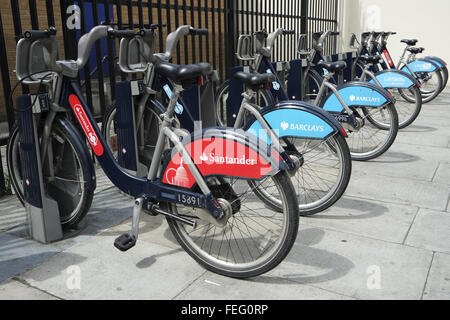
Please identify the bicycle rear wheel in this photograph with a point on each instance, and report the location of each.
(68, 178)
(255, 239)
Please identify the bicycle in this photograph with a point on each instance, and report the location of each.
(426, 71)
(400, 84)
(356, 105)
(206, 193)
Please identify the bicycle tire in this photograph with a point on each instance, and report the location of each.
(221, 102)
(377, 151)
(221, 265)
(69, 218)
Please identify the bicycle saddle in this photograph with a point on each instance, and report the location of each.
(182, 74)
(255, 79)
(332, 66)
(416, 50)
(371, 59)
(410, 42)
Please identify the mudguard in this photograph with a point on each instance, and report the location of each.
(441, 63)
(295, 119)
(395, 79)
(421, 65)
(222, 152)
(357, 93)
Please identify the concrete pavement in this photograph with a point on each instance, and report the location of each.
(388, 238)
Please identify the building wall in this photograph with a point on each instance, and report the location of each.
(427, 21)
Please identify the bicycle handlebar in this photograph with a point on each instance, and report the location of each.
(87, 42)
(288, 32)
(174, 38)
(119, 34)
(198, 32)
(320, 37)
(34, 35)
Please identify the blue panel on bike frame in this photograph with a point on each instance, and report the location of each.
(421, 66)
(292, 123)
(394, 80)
(355, 96)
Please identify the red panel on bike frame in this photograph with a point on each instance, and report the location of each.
(217, 157)
(388, 58)
(88, 129)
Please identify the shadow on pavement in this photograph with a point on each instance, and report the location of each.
(361, 209)
(327, 265)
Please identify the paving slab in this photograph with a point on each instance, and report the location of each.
(14, 290)
(435, 139)
(355, 266)
(438, 284)
(442, 174)
(425, 153)
(431, 230)
(12, 213)
(18, 255)
(397, 164)
(214, 287)
(399, 190)
(148, 271)
(368, 218)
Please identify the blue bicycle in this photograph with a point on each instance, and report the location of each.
(366, 111)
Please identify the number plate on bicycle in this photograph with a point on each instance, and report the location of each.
(183, 198)
(137, 87)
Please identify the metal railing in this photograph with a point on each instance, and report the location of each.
(225, 19)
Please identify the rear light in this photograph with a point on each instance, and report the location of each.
(201, 81)
(344, 132)
(266, 86)
(390, 95)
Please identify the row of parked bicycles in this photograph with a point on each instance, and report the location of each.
(281, 144)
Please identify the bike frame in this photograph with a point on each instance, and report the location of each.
(71, 98)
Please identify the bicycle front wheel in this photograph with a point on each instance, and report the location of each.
(377, 133)
(263, 99)
(407, 110)
(147, 133)
(322, 174)
(66, 175)
(255, 239)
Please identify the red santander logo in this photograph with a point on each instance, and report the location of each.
(86, 125)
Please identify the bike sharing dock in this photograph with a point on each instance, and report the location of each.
(386, 239)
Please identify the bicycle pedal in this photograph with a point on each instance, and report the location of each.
(125, 242)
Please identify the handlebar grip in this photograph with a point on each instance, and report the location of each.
(288, 32)
(128, 34)
(317, 34)
(336, 33)
(262, 33)
(199, 32)
(39, 34)
(146, 32)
